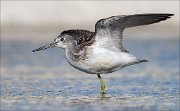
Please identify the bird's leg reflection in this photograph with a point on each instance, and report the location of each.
(102, 96)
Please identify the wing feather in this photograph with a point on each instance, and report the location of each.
(111, 29)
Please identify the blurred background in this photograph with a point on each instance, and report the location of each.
(45, 81)
(34, 20)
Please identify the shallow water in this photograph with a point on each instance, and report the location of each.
(45, 81)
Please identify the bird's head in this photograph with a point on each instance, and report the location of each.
(62, 41)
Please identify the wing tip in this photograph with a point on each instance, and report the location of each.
(162, 17)
(168, 15)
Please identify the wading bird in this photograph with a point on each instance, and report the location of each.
(102, 51)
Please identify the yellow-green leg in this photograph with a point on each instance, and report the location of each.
(102, 84)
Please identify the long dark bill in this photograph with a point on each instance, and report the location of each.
(45, 47)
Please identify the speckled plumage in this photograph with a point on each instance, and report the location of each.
(81, 36)
(102, 51)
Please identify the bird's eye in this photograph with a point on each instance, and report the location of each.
(62, 39)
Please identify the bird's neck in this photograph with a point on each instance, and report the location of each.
(71, 47)
(72, 51)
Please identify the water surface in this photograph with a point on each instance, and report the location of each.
(45, 81)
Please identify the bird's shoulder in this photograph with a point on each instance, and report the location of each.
(83, 39)
(103, 23)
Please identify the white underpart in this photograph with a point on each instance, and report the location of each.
(102, 60)
(108, 57)
(104, 56)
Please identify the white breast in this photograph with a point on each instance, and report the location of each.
(108, 58)
(102, 60)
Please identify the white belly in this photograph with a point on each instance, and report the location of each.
(102, 60)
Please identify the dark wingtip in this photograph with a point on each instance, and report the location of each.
(164, 16)
(171, 14)
(168, 15)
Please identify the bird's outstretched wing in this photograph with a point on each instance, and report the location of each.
(109, 31)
